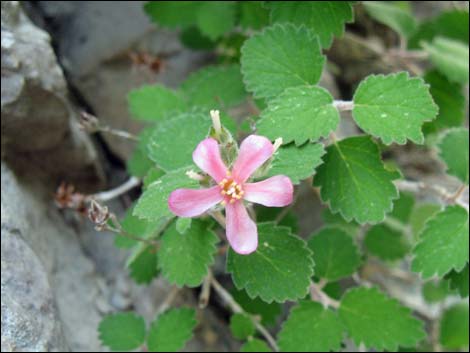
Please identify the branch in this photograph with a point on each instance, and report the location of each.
(236, 308)
(318, 295)
(343, 105)
(116, 192)
(168, 300)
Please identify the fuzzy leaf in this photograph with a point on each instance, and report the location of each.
(459, 281)
(453, 150)
(324, 18)
(281, 56)
(393, 16)
(153, 203)
(393, 107)
(171, 330)
(450, 57)
(216, 18)
(335, 254)
(122, 331)
(267, 311)
(255, 345)
(241, 326)
(311, 328)
(454, 327)
(377, 321)
(444, 243)
(354, 181)
(386, 243)
(280, 269)
(173, 14)
(299, 114)
(143, 265)
(183, 224)
(184, 258)
(253, 15)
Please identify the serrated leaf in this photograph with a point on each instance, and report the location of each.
(183, 224)
(326, 19)
(436, 291)
(444, 243)
(170, 331)
(393, 107)
(139, 164)
(420, 216)
(255, 345)
(297, 163)
(152, 176)
(393, 16)
(311, 328)
(335, 254)
(280, 269)
(122, 331)
(215, 18)
(386, 243)
(136, 227)
(377, 321)
(454, 327)
(459, 281)
(453, 150)
(155, 103)
(241, 326)
(173, 14)
(299, 114)
(267, 311)
(143, 266)
(253, 15)
(270, 214)
(192, 38)
(153, 203)
(403, 207)
(281, 56)
(214, 86)
(450, 57)
(172, 143)
(337, 221)
(184, 259)
(450, 100)
(354, 181)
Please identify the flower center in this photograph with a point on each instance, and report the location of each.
(231, 190)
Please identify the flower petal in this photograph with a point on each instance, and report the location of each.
(254, 151)
(242, 233)
(191, 202)
(207, 157)
(276, 191)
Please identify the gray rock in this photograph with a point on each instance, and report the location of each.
(38, 129)
(94, 41)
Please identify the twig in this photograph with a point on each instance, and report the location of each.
(117, 228)
(91, 124)
(343, 105)
(236, 308)
(219, 217)
(318, 295)
(118, 133)
(168, 300)
(116, 192)
(205, 291)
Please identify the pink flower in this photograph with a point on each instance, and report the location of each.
(232, 189)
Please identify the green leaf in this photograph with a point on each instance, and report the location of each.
(267, 311)
(450, 100)
(311, 328)
(386, 243)
(453, 150)
(270, 214)
(403, 207)
(170, 331)
(444, 243)
(393, 107)
(297, 163)
(454, 327)
(122, 331)
(324, 18)
(215, 86)
(459, 281)
(393, 16)
(253, 15)
(450, 57)
(299, 114)
(152, 176)
(183, 224)
(216, 18)
(153, 203)
(173, 14)
(337, 221)
(173, 142)
(420, 216)
(436, 291)
(185, 258)
(354, 181)
(194, 39)
(255, 345)
(281, 56)
(377, 321)
(335, 254)
(143, 266)
(155, 103)
(137, 227)
(139, 164)
(241, 326)
(279, 270)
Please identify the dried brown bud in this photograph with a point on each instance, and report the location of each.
(98, 214)
(88, 122)
(66, 197)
